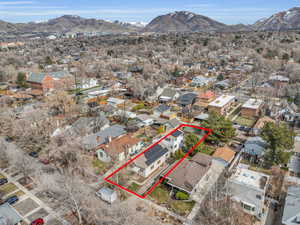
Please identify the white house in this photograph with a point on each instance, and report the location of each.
(144, 120)
(173, 141)
(107, 194)
(119, 149)
(151, 160)
(248, 188)
(88, 83)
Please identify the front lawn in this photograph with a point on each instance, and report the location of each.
(244, 121)
(182, 207)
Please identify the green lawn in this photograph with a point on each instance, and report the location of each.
(8, 188)
(245, 121)
(182, 207)
(160, 195)
(134, 187)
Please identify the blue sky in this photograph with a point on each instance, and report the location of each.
(226, 11)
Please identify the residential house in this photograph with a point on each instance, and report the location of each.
(201, 117)
(294, 165)
(172, 124)
(144, 120)
(187, 99)
(224, 84)
(224, 153)
(189, 173)
(201, 81)
(50, 81)
(222, 104)
(248, 188)
(252, 108)
(169, 115)
(159, 110)
(115, 101)
(119, 149)
(254, 148)
(151, 160)
(174, 141)
(107, 194)
(91, 142)
(206, 96)
(88, 83)
(278, 81)
(168, 95)
(291, 212)
(9, 216)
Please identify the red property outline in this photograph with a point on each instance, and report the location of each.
(162, 178)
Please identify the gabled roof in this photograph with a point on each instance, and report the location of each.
(206, 95)
(188, 173)
(151, 156)
(92, 141)
(162, 108)
(186, 99)
(119, 145)
(38, 78)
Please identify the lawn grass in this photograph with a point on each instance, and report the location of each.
(8, 188)
(160, 195)
(244, 121)
(100, 167)
(182, 207)
(134, 187)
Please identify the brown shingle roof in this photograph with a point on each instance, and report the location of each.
(120, 144)
(187, 175)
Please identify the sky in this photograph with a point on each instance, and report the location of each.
(226, 11)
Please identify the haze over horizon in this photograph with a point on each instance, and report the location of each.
(227, 11)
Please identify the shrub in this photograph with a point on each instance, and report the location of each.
(182, 196)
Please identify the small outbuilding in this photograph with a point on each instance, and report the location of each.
(107, 194)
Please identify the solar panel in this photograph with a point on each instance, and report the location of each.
(154, 154)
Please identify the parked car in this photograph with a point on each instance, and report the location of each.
(34, 154)
(11, 200)
(3, 181)
(45, 161)
(39, 221)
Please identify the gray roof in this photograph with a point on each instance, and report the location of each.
(174, 123)
(38, 78)
(292, 206)
(187, 99)
(162, 108)
(92, 141)
(106, 191)
(8, 215)
(168, 92)
(255, 146)
(294, 163)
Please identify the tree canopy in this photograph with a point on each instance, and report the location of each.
(222, 128)
(279, 138)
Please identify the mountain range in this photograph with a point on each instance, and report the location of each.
(181, 21)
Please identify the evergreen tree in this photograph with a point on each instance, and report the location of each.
(297, 99)
(222, 128)
(279, 138)
(21, 79)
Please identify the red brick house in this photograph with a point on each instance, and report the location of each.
(50, 81)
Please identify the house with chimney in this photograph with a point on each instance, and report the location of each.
(119, 149)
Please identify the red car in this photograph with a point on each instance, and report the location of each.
(38, 221)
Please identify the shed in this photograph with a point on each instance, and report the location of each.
(107, 194)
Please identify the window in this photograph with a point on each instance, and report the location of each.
(247, 207)
(101, 154)
(258, 196)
